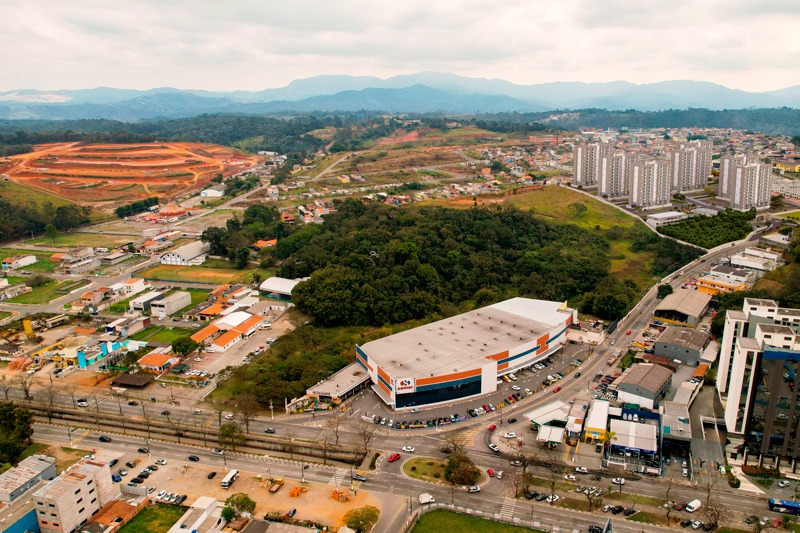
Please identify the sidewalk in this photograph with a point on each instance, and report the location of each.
(747, 485)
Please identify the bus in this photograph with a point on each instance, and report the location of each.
(229, 479)
(784, 506)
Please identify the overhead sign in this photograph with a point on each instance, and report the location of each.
(406, 385)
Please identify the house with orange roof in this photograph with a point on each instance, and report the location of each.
(260, 244)
(158, 362)
(287, 218)
(56, 257)
(205, 334)
(225, 341)
(91, 298)
(213, 310)
(249, 326)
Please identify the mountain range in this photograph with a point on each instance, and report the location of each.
(425, 92)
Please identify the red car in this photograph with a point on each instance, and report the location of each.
(394, 457)
(628, 332)
(557, 389)
(492, 427)
(490, 472)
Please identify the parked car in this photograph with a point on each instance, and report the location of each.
(680, 506)
(161, 462)
(291, 513)
(553, 499)
(618, 481)
(783, 483)
(607, 508)
(569, 477)
(512, 420)
(211, 475)
(510, 435)
(474, 488)
(581, 470)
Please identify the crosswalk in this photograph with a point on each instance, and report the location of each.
(338, 476)
(507, 511)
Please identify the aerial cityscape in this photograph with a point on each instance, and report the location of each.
(409, 269)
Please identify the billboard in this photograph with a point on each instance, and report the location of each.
(405, 385)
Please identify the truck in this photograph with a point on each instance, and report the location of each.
(277, 483)
(426, 498)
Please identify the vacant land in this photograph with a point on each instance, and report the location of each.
(156, 518)
(76, 239)
(42, 294)
(196, 274)
(161, 334)
(437, 521)
(113, 174)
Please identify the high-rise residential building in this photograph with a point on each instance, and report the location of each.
(649, 183)
(69, 500)
(586, 162)
(614, 177)
(757, 379)
(727, 168)
(691, 166)
(749, 186)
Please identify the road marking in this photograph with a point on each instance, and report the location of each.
(338, 477)
(507, 511)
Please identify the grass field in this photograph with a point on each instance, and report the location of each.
(439, 521)
(43, 263)
(42, 294)
(4, 315)
(423, 470)
(197, 274)
(161, 334)
(156, 518)
(774, 281)
(73, 240)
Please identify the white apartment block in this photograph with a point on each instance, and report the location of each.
(71, 499)
(749, 187)
(649, 184)
(785, 187)
(727, 167)
(586, 162)
(615, 171)
(691, 166)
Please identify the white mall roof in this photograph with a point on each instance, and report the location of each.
(634, 435)
(233, 319)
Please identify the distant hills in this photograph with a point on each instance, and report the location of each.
(425, 92)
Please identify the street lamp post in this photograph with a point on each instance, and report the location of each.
(271, 413)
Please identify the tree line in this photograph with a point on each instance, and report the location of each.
(138, 206)
(21, 219)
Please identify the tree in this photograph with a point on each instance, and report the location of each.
(334, 424)
(16, 429)
(460, 470)
(230, 435)
(247, 407)
(664, 290)
(5, 386)
(227, 514)
(776, 202)
(362, 519)
(50, 231)
(578, 209)
(456, 443)
(365, 432)
(242, 257)
(184, 345)
(25, 382)
(219, 407)
(667, 491)
(241, 503)
(50, 394)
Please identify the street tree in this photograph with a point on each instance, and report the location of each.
(247, 408)
(362, 519)
(241, 503)
(288, 444)
(456, 443)
(50, 396)
(219, 407)
(593, 499)
(334, 424)
(70, 390)
(25, 382)
(146, 416)
(5, 386)
(230, 435)
(365, 433)
(668, 486)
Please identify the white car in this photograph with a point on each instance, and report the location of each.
(618, 481)
(161, 494)
(569, 477)
(230, 416)
(510, 435)
(415, 410)
(83, 403)
(474, 488)
(515, 387)
(783, 483)
(161, 462)
(528, 392)
(217, 451)
(581, 470)
(198, 412)
(553, 499)
(408, 449)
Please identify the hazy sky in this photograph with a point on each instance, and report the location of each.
(257, 44)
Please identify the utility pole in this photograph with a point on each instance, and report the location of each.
(271, 413)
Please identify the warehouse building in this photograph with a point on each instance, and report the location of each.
(684, 344)
(682, 308)
(462, 356)
(644, 384)
(170, 304)
(28, 473)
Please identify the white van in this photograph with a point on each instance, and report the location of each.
(693, 506)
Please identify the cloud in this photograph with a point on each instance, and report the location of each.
(248, 44)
